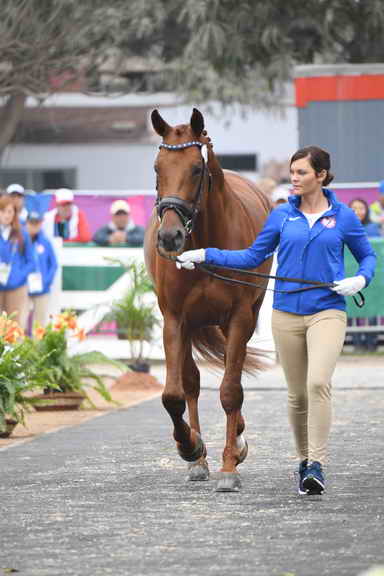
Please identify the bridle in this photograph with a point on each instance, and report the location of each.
(186, 212)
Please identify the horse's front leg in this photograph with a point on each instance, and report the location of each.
(198, 470)
(188, 441)
(231, 396)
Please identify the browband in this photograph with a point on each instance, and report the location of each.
(181, 146)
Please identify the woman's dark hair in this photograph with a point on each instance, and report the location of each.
(318, 158)
(366, 220)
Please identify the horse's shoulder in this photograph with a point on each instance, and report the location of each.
(245, 192)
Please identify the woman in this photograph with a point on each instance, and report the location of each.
(40, 281)
(309, 329)
(361, 209)
(365, 341)
(16, 262)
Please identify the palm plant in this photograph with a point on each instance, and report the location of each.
(134, 315)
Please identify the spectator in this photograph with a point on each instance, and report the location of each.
(121, 229)
(280, 195)
(66, 220)
(377, 209)
(361, 209)
(16, 262)
(365, 341)
(40, 281)
(17, 192)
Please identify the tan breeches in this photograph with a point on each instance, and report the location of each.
(308, 348)
(16, 301)
(40, 305)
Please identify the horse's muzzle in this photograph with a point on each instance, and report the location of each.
(171, 240)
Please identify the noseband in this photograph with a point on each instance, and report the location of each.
(183, 209)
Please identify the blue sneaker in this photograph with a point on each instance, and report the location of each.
(302, 470)
(313, 479)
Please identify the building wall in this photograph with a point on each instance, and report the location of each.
(98, 167)
(341, 108)
(352, 132)
(122, 166)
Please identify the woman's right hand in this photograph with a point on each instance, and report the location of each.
(189, 258)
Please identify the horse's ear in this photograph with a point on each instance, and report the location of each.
(159, 125)
(197, 122)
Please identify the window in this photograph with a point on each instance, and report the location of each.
(39, 179)
(238, 162)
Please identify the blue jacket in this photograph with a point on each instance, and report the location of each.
(372, 229)
(45, 261)
(315, 253)
(22, 263)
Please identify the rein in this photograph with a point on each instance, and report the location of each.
(313, 284)
(186, 213)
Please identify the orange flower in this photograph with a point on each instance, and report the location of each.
(13, 332)
(66, 320)
(71, 322)
(39, 332)
(81, 335)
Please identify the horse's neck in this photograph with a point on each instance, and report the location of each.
(216, 199)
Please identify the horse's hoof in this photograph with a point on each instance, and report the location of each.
(242, 445)
(198, 471)
(199, 451)
(228, 482)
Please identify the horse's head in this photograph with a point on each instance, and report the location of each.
(181, 178)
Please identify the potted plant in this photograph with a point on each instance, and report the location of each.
(20, 374)
(66, 376)
(135, 315)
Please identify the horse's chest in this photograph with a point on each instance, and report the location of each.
(208, 304)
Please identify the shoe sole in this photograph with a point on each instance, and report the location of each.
(312, 486)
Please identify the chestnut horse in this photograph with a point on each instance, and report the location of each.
(200, 205)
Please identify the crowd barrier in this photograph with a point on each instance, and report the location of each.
(88, 269)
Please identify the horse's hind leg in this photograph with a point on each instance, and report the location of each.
(197, 470)
(231, 396)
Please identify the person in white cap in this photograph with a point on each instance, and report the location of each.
(17, 192)
(280, 194)
(121, 229)
(66, 220)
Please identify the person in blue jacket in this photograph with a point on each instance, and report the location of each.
(364, 341)
(40, 281)
(310, 231)
(16, 262)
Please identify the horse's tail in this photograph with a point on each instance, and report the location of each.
(209, 344)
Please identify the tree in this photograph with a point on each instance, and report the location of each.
(46, 44)
(226, 50)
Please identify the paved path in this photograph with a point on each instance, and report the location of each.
(109, 496)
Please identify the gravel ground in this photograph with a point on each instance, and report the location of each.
(110, 497)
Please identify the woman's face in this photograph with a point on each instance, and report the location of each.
(304, 178)
(7, 214)
(359, 209)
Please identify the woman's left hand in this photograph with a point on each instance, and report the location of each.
(349, 286)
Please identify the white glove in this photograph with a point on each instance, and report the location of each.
(349, 286)
(189, 258)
